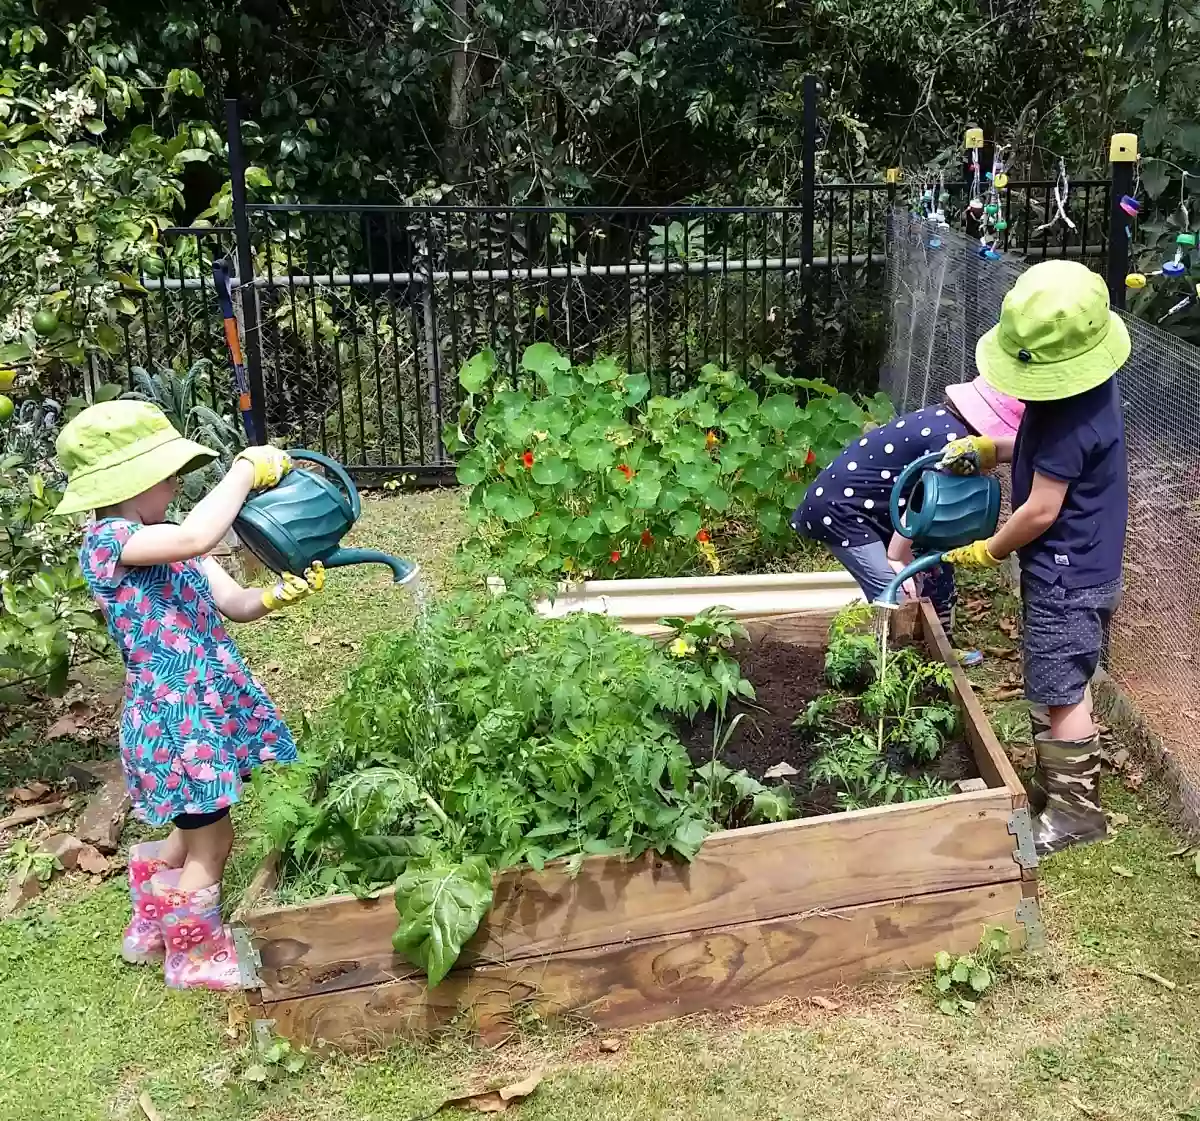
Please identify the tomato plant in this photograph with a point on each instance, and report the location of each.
(490, 736)
(578, 471)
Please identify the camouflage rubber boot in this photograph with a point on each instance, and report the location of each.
(1039, 719)
(1070, 770)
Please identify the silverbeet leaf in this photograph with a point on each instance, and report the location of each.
(441, 905)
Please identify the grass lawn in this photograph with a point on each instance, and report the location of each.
(1075, 1033)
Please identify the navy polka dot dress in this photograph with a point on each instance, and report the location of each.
(847, 504)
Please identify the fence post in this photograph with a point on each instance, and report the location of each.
(1123, 154)
(808, 205)
(247, 293)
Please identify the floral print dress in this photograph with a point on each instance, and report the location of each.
(195, 721)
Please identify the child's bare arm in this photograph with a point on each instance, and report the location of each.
(1032, 518)
(201, 530)
(204, 527)
(242, 605)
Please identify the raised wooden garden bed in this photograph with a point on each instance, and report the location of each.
(761, 913)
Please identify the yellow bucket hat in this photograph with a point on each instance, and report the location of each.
(1057, 336)
(116, 451)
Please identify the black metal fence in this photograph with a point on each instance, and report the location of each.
(357, 317)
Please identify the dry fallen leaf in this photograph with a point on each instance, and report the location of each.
(496, 1101)
(92, 861)
(1008, 627)
(1001, 653)
(274, 667)
(236, 1020)
(22, 794)
(610, 1046)
(826, 1003)
(1121, 870)
(1082, 1108)
(1182, 851)
(1009, 693)
(314, 640)
(66, 725)
(781, 770)
(1116, 820)
(147, 1107)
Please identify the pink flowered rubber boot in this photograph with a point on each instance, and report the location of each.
(143, 941)
(200, 952)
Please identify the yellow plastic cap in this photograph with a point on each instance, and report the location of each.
(892, 175)
(1124, 148)
(1135, 280)
(973, 138)
(1000, 181)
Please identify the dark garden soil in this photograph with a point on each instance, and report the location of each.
(786, 677)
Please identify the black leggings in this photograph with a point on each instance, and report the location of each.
(200, 821)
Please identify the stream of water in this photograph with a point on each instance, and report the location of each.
(883, 620)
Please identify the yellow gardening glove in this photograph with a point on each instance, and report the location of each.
(969, 456)
(270, 464)
(975, 555)
(292, 589)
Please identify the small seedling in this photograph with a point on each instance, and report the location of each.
(275, 1060)
(963, 981)
(23, 859)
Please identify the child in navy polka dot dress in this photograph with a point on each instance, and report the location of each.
(847, 505)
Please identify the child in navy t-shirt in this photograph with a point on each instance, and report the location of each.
(847, 505)
(1057, 347)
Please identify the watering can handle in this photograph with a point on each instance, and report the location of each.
(337, 471)
(902, 484)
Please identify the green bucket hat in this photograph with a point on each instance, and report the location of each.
(1056, 337)
(116, 451)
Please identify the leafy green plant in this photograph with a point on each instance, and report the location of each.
(908, 700)
(277, 1059)
(963, 981)
(595, 476)
(703, 643)
(491, 736)
(48, 620)
(178, 395)
(23, 860)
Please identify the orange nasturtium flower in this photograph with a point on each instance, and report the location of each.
(711, 441)
(810, 459)
(626, 470)
(703, 536)
(527, 460)
(614, 556)
(647, 539)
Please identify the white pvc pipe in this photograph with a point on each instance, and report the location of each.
(639, 604)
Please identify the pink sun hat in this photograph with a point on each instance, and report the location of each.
(987, 410)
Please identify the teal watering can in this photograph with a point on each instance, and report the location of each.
(304, 519)
(942, 512)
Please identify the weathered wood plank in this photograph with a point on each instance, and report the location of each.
(666, 976)
(756, 873)
(992, 760)
(811, 628)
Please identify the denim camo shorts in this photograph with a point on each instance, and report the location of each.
(1063, 636)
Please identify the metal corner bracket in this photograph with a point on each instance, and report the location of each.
(1020, 825)
(249, 962)
(1029, 914)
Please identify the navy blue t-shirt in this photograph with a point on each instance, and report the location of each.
(1079, 441)
(847, 503)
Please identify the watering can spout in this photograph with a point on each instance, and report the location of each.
(890, 597)
(403, 571)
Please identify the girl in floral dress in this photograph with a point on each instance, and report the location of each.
(196, 721)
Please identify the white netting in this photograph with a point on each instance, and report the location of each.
(944, 297)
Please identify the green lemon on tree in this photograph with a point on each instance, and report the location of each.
(7, 380)
(6, 408)
(45, 322)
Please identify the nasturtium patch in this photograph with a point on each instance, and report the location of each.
(622, 473)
